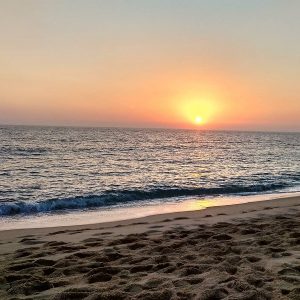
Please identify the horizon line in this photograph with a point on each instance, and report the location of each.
(149, 128)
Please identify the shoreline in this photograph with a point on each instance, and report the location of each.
(207, 215)
(240, 250)
(129, 212)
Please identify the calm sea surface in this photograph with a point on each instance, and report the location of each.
(58, 169)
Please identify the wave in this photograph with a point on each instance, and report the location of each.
(23, 151)
(113, 198)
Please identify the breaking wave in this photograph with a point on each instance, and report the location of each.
(113, 198)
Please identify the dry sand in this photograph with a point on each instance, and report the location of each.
(247, 251)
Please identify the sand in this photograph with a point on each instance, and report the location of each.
(247, 251)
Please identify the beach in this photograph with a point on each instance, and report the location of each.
(149, 150)
(243, 251)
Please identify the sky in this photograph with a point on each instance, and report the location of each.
(227, 64)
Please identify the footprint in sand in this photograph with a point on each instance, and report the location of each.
(156, 226)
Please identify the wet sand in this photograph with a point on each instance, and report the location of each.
(246, 251)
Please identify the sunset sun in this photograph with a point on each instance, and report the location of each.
(198, 120)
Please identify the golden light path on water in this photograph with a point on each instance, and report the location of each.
(129, 212)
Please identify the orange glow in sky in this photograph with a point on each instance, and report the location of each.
(106, 63)
(198, 105)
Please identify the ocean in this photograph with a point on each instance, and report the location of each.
(55, 170)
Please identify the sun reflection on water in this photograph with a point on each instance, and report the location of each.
(198, 204)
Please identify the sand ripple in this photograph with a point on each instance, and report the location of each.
(254, 259)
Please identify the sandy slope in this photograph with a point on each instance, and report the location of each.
(247, 251)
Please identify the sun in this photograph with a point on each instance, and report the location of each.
(198, 120)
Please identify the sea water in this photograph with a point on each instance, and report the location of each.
(57, 170)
